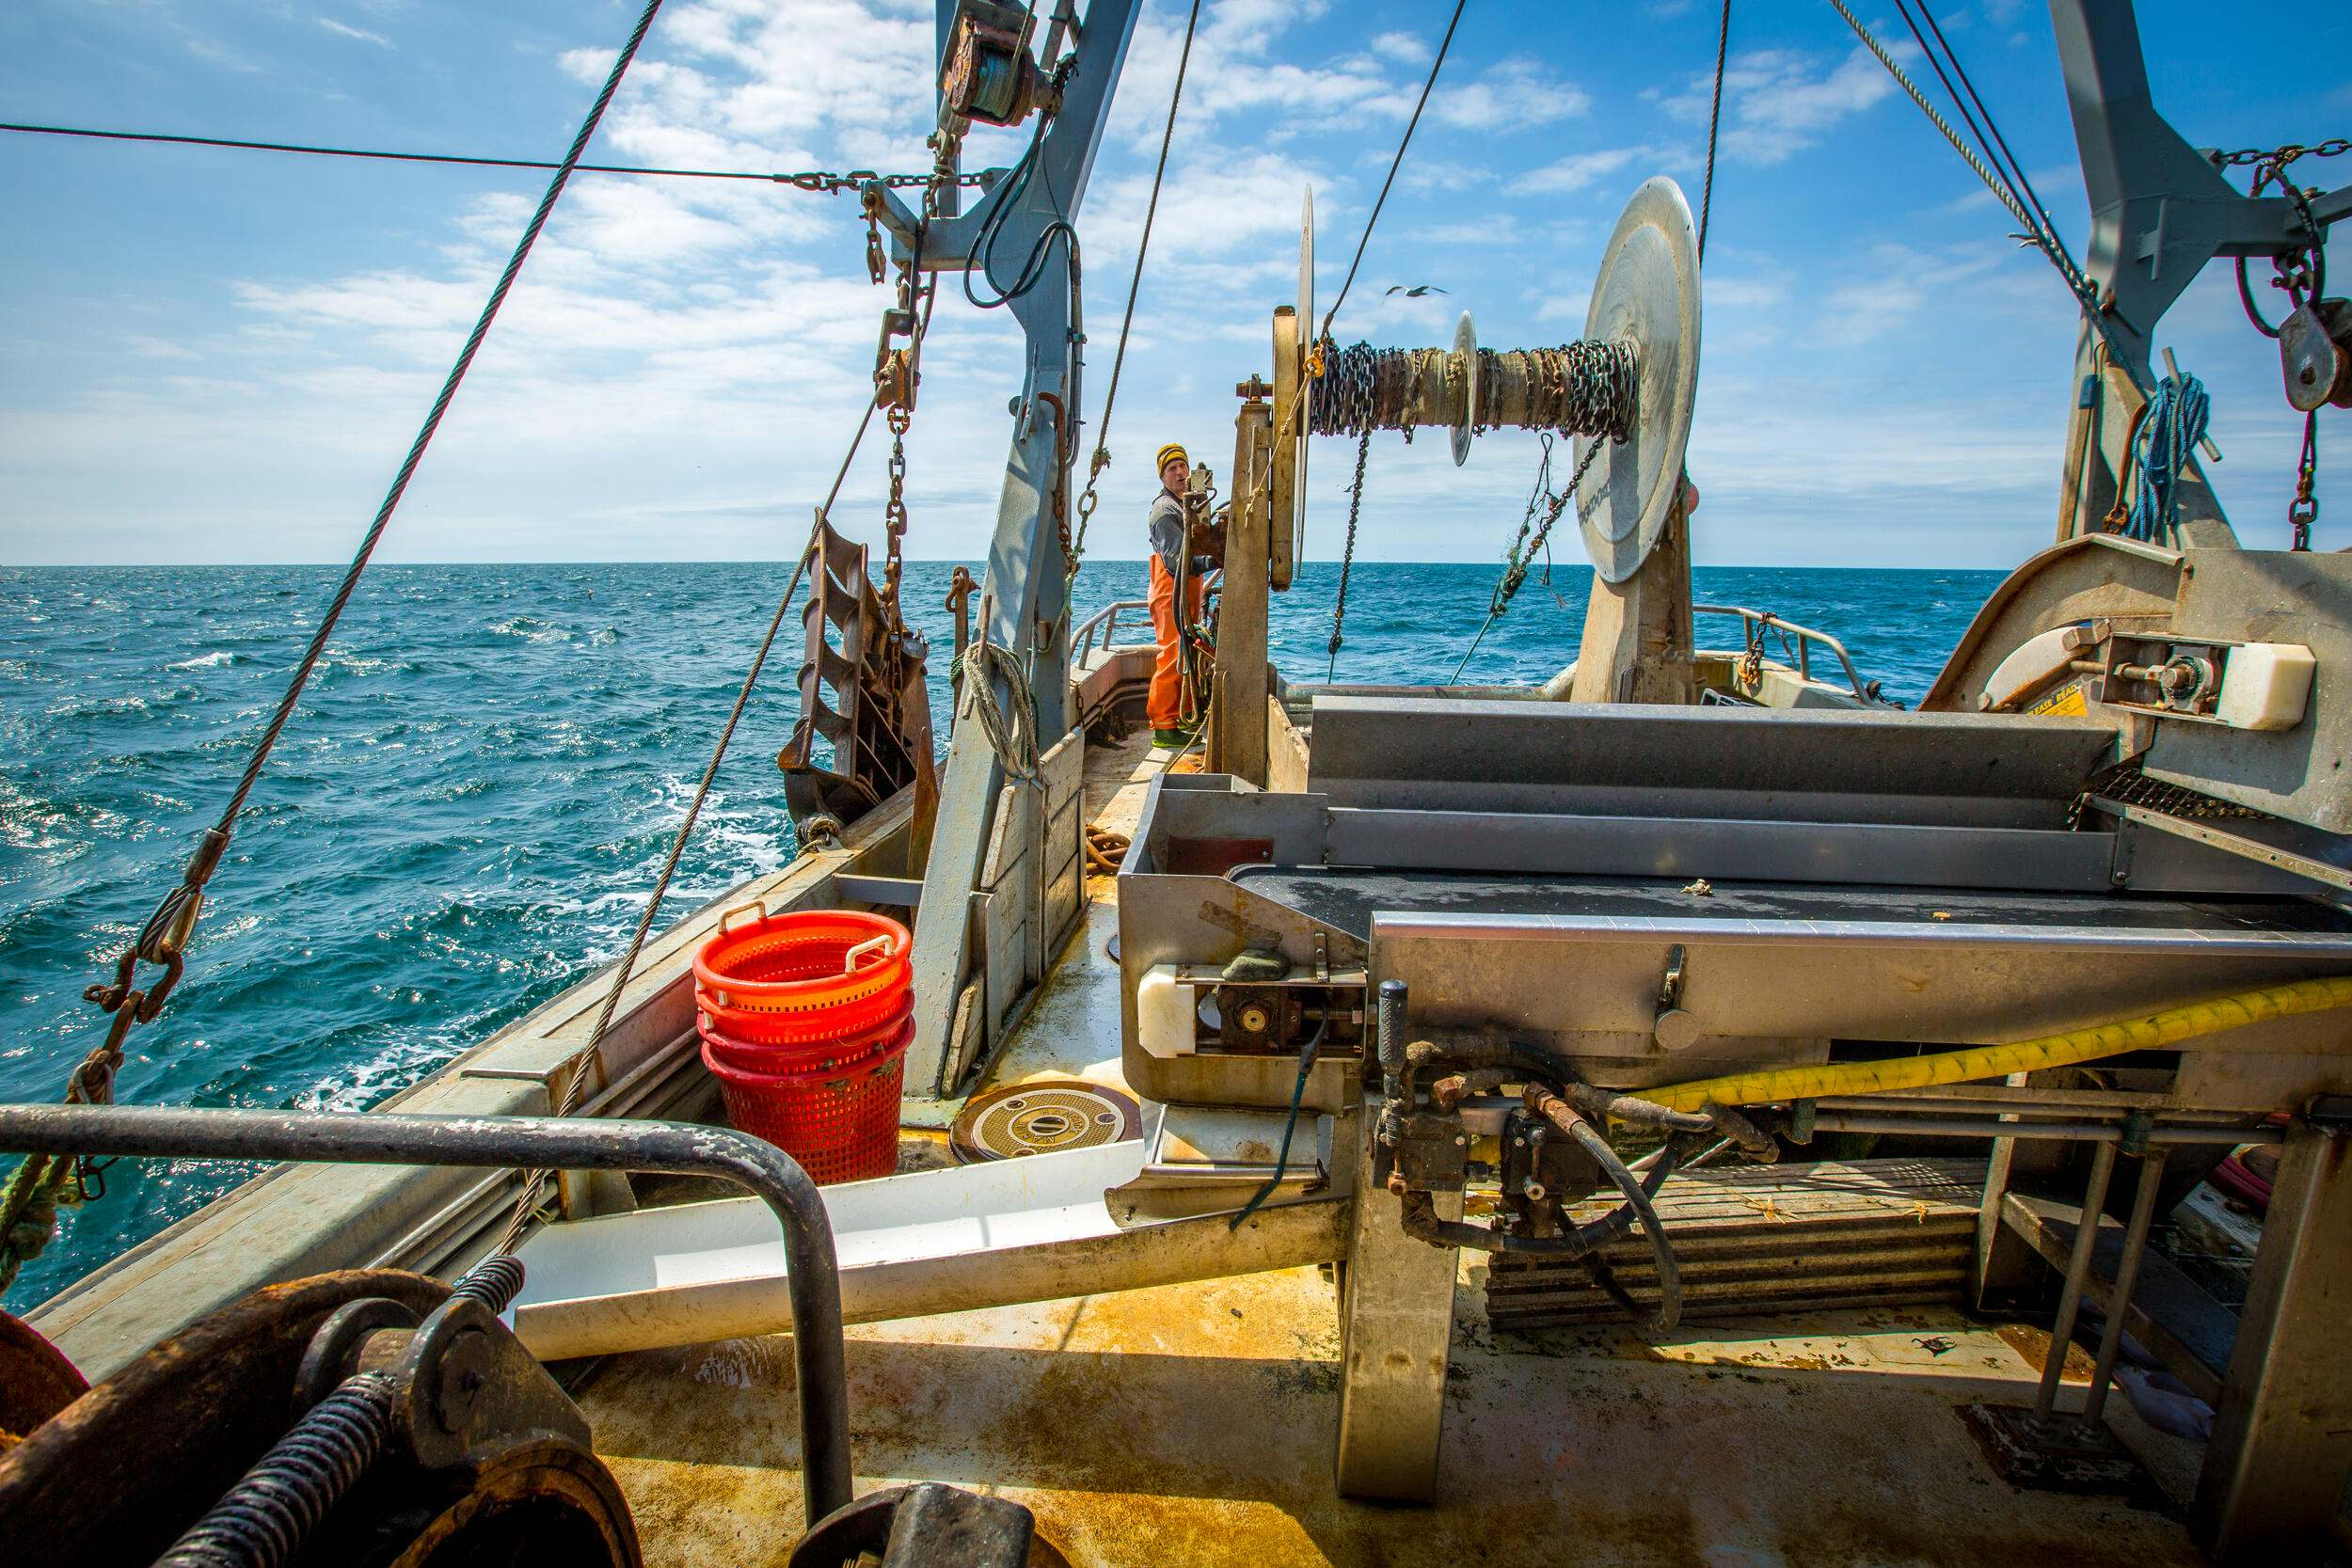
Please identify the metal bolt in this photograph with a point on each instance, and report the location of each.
(1461, 1143)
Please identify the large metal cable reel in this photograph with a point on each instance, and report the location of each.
(1647, 296)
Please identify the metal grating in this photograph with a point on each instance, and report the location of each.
(1772, 1239)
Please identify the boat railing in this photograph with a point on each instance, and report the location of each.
(1796, 641)
(812, 1282)
(1102, 627)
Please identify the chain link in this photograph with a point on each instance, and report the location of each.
(858, 179)
(2335, 147)
(1347, 557)
(894, 511)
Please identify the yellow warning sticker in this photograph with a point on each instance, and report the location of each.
(2065, 703)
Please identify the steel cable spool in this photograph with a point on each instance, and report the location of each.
(1627, 388)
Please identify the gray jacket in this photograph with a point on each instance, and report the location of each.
(1166, 529)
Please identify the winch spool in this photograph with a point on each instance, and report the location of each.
(1630, 381)
(1045, 1117)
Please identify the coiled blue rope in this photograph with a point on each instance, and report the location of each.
(2177, 413)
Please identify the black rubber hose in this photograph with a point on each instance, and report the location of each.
(1421, 1222)
(1637, 1198)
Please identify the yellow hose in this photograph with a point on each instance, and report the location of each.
(2150, 1033)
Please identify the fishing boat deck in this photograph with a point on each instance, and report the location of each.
(1194, 1423)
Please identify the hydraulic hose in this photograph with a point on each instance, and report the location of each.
(1637, 1198)
(2149, 1033)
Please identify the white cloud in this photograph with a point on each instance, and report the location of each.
(1577, 170)
(1409, 48)
(1779, 101)
(342, 30)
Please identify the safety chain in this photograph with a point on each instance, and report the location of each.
(2303, 511)
(1347, 557)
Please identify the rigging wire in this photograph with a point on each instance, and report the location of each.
(1999, 143)
(1714, 120)
(1101, 460)
(164, 938)
(814, 180)
(525, 1204)
(1435, 65)
(2040, 233)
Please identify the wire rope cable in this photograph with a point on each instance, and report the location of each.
(1102, 457)
(30, 1196)
(1435, 65)
(1715, 121)
(2039, 232)
(525, 1202)
(818, 180)
(432, 424)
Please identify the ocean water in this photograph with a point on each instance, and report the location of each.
(472, 803)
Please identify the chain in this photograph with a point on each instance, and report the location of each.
(2303, 276)
(1061, 480)
(2303, 511)
(895, 510)
(1347, 557)
(1515, 574)
(1582, 388)
(1524, 549)
(2281, 156)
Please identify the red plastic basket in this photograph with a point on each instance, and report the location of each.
(765, 1056)
(803, 976)
(840, 1122)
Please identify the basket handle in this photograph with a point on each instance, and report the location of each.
(759, 904)
(872, 944)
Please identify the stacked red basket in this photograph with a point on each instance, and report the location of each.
(806, 1018)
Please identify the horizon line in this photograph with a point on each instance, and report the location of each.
(914, 561)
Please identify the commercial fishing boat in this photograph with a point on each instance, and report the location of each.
(1683, 1113)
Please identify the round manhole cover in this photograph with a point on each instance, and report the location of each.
(1043, 1117)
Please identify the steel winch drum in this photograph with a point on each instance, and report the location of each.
(1647, 294)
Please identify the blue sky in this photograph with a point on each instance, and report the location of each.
(218, 357)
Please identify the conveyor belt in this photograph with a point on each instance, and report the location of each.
(1348, 897)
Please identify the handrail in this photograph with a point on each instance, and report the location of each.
(1756, 621)
(812, 1285)
(1106, 621)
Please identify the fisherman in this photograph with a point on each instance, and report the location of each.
(1171, 571)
